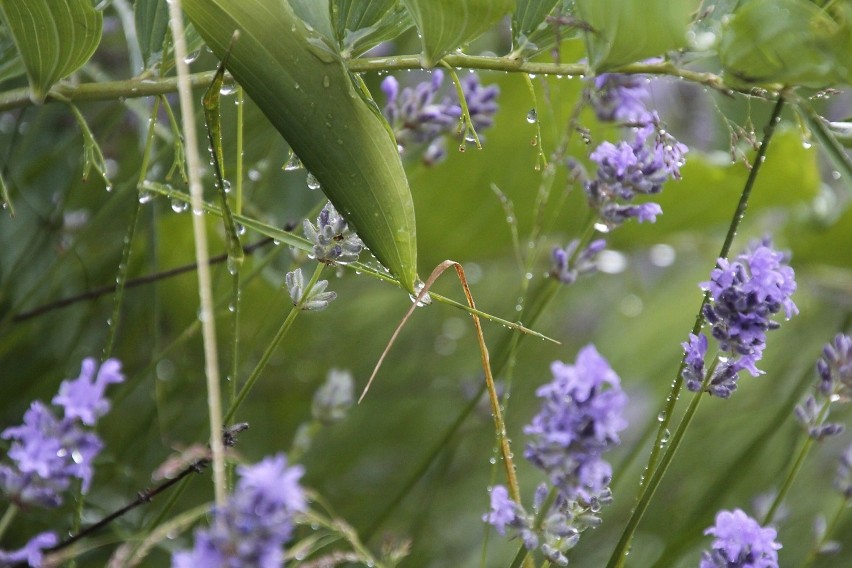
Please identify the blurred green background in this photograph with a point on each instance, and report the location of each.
(67, 237)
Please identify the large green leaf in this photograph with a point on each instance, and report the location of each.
(446, 25)
(626, 31)
(528, 17)
(305, 90)
(54, 38)
(152, 22)
(789, 41)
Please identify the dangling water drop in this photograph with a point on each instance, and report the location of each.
(312, 181)
(425, 300)
(293, 163)
(192, 57)
(227, 89)
(179, 206)
(532, 116)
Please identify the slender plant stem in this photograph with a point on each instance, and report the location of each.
(147, 85)
(273, 345)
(829, 530)
(739, 214)
(207, 316)
(654, 472)
(8, 517)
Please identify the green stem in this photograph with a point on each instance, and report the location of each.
(795, 468)
(147, 86)
(270, 349)
(619, 554)
(7, 519)
(736, 220)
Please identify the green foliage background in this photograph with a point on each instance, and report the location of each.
(67, 236)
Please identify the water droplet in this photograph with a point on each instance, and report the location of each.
(145, 197)
(532, 116)
(179, 206)
(312, 181)
(254, 175)
(661, 416)
(425, 300)
(241, 229)
(233, 266)
(192, 57)
(293, 163)
(227, 89)
(226, 185)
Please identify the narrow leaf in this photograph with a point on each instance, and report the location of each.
(446, 25)
(626, 31)
(54, 38)
(305, 90)
(152, 22)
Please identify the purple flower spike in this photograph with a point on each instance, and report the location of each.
(621, 98)
(253, 526)
(693, 372)
(567, 268)
(47, 452)
(83, 397)
(627, 170)
(745, 294)
(740, 543)
(32, 552)
(419, 117)
(580, 418)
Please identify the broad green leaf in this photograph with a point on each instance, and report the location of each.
(446, 25)
(626, 31)
(794, 42)
(152, 22)
(54, 38)
(362, 24)
(307, 93)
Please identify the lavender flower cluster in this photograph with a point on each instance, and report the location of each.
(630, 168)
(253, 526)
(419, 118)
(744, 295)
(47, 453)
(834, 384)
(333, 242)
(740, 543)
(579, 420)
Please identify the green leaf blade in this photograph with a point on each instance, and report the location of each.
(306, 92)
(446, 25)
(152, 23)
(54, 38)
(626, 31)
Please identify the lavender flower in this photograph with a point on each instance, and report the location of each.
(834, 384)
(835, 367)
(333, 242)
(47, 452)
(253, 526)
(843, 476)
(415, 115)
(317, 299)
(32, 553)
(626, 170)
(567, 268)
(418, 117)
(745, 294)
(621, 98)
(740, 543)
(580, 419)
